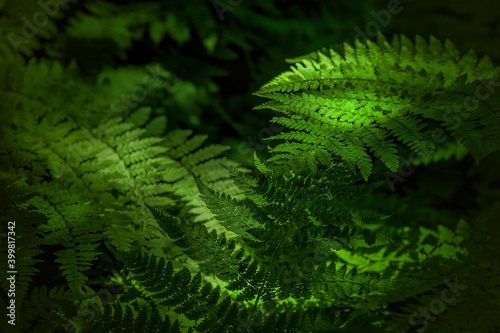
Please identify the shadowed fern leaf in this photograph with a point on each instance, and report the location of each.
(117, 317)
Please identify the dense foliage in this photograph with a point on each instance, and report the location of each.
(361, 193)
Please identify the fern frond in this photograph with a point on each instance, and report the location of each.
(45, 310)
(236, 218)
(185, 294)
(204, 163)
(214, 253)
(117, 317)
(23, 234)
(73, 225)
(363, 102)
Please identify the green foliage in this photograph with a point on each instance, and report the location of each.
(358, 103)
(24, 40)
(90, 181)
(25, 228)
(117, 125)
(361, 280)
(123, 318)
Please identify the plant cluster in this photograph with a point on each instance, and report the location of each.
(112, 182)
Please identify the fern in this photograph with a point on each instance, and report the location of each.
(213, 252)
(27, 241)
(302, 244)
(182, 291)
(31, 39)
(346, 291)
(91, 184)
(68, 225)
(473, 304)
(203, 163)
(359, 103)
(42, 305)
(123, 318)
(251, 276)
